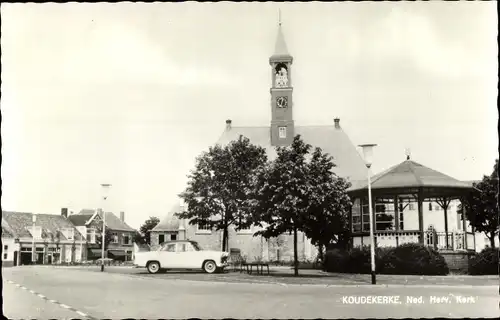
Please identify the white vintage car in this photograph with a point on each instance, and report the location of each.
(181, 254)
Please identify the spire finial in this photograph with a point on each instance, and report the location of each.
(279, 17)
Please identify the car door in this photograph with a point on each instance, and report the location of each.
(186, 256)
(167, 256)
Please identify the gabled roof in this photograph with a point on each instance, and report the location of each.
(332, 140)
(79, 219)
(19, 222)
(410, 174)
(170, 222)
(7, 231)
(85, 216)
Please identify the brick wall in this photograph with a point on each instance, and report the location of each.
(457, 261)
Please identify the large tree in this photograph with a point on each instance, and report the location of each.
(328, 215)
(219, 190)
(144, 234)
(482, 205)
(283, 194)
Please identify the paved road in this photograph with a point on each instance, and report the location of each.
(114, 295)
(19, 303)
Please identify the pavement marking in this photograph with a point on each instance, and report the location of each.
(62, 305)
(82, 314)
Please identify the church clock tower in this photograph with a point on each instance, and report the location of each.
(282, 124)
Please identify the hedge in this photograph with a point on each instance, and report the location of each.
(485, 262)
(409, 259)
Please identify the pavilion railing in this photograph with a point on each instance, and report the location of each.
(456, 240)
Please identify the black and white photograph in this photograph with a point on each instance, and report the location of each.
(250, 160)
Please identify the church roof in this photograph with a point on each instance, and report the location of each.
(410, 174)
(331, 139)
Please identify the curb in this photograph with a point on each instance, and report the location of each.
(80, 313)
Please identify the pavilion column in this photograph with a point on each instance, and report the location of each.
(445, 209)
(420, 200)
(396, 218)
(464, 223)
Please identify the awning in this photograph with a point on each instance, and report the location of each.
(97, 253)
(117, 253)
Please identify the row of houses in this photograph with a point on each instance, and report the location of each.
(29, 238)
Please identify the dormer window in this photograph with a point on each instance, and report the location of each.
(282, 132)
(69, 233)
(36, 232)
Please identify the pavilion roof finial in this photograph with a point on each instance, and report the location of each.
(408, 153)
(279, 17)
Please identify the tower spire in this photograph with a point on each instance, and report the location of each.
(280, 49)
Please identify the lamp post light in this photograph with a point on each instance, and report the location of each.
(105, 191)
(368, 156)
(33, 253)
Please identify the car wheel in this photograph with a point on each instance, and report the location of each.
(209, 266)
(153, 267)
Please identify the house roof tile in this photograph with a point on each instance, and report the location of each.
(170, 222)
(50, 223)
(112, 221)
(79, 219)
(7, 231)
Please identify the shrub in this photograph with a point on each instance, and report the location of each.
(405, 259)
(485, 262)
(413, 259)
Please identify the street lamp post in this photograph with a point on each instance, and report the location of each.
(105, 190)
(368, 156)
(33, 253)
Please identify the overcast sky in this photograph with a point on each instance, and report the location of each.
(130, 94)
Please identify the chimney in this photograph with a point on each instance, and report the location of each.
(228, 124)
(64, 212)
(122, 216)
(337, 123)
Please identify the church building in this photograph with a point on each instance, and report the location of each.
(280, 132)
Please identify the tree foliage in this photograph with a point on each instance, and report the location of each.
(298, 191)
(220, 187)
(108, 236)
(482, 205)
(144, 234)
(328, 216)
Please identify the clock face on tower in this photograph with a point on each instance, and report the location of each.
(282, 102)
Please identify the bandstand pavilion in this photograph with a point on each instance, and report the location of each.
(393, 191)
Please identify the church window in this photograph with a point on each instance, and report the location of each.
(282, 132)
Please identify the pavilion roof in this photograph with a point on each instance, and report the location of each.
(411, 175)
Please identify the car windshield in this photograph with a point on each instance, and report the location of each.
(196, 246)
